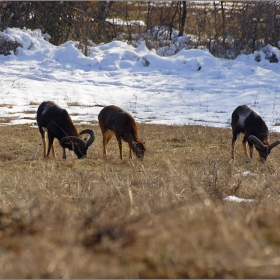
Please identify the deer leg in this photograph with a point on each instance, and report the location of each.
(234, 138)
(107, 136)
(132, 148)
(104, 146)
(244, 142)
(43, 132)
(64, 153)
(44, 144)
(130, 152)
(127, 138)
(251, 146)
(51, 138)
(53, 151)
(120, 146)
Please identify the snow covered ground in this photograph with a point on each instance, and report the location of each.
(191, 87)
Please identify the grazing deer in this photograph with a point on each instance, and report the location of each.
(115, 121)
(244, 119)
(57, 123)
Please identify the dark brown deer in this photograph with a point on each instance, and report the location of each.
(244, 119)
(57, 123)
(115, 121)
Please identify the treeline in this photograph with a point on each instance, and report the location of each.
(226, 28)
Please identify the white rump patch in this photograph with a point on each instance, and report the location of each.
(244, 114)
(243, 117)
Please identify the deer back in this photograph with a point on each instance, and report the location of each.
(121, 122)
(56, 120)
(249, 122)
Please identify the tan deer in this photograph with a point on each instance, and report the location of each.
(116, 121)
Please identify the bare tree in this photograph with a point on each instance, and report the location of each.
(226, 28)
(183, 19)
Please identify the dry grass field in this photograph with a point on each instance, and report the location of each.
(165, 218)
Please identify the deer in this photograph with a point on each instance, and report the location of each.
(246, 120)
(116, 121)
(56, 123)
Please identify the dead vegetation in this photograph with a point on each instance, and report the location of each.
(165, 218)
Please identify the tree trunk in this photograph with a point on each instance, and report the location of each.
(183, 19)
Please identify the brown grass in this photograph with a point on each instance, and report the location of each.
(165, 218)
